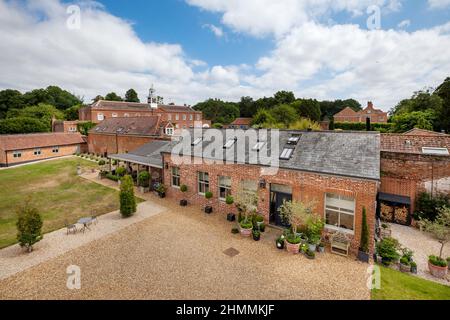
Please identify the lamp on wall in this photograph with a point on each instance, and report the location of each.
(262, 184)
(166, 166)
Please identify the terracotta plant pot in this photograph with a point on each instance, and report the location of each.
(292, 248)
(438, 272)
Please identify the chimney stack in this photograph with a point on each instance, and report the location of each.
(370, 104)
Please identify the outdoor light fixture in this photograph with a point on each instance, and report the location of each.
(262, 184)
(166, 166)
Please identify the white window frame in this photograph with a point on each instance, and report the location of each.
(202, 181)
(177, 117)
(339, 211)
(224, 186)
(169, 131)
(175, 175)
(114, 115)
(17, 154)
(126, 115)
(37, 152)
(191, 117)
(100, 117)
(184, 117)
(55, 149)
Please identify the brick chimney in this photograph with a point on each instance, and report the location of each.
(370, 105)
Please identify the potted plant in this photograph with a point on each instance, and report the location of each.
(314, 228)
(161, 190)
(363, 252)
(208, 207)
(262, 227)
(280, 242)
(440, 230)
(405, 264)
(234, 230)
(413, 267)
(296, 214)
(321, 247)
(183, 189)
(385, 230)
(310, 254)
(247, 203)
(259, 220)
(229, 200)
(144, 181)
(256, 235)
(387, 250)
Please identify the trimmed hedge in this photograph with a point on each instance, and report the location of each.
(112, 177)
(361, 126)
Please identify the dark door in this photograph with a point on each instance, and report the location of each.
(276, 201)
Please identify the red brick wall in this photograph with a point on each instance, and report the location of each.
(305, 187)
(104, 143)
(46, 153)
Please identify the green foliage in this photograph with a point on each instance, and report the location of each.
(71, 113)
(101, 162)
(112, 96)
(161, 188)
(284, 114)
(229, 200)
(263, 116)
(10, 99)
(443, 91)
(404, 261)
(314, 228)
(256, 233)
(247, 107)
(52, 95)
(296, 213)
(262, 227)
(284, 97)
(234, 230)
(42, 112)
(360, 126)
(184, 188)
(305, 124)
(427, 206)
(437, 261)
(112, 177)
(330, 108)
(121, 171)
(144, 179)
(307, 108)
(127, 199)
(217, 126)
(387, 249)
(84, 127)
(364, 245)
(417, 119)
(131, 96)
(246, 224)
(293, 238)
(22, 125)
(439, 228)
(218, 111)
(208, 195)
(29, 226)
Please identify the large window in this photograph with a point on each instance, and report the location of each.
(224, 187)
(175, 177)
(340, 212)
(100, 117)
(203, 182)
(55, 150)
(17, 154)
(169, 131)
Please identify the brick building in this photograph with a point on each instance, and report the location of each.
(122, 135)
(240, 123)
(414, 162)
(349, 115)
(23, 148)
(182, 117)
(339, 171)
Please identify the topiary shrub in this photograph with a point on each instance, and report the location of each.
(184, 188)
(387, 250)
(121, 171)
(364, 245)
(127, 199)
(29, 226)
(144, 179)
(101, 163)
(208, 195)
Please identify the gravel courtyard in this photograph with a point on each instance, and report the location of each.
(179, 254)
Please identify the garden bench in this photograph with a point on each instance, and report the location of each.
(340, 244)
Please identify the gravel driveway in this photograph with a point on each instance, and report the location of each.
(179, 254)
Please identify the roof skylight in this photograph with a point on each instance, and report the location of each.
(286, 154)
(435, 151)
(229, 143)
(258, 146)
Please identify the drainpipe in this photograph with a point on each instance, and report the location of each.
(117, 143)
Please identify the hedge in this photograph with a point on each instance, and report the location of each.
(361, 126)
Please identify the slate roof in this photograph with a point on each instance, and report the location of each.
(38, 140)
(147, 126)
(352, 154)
(148, 154)
(123, 105)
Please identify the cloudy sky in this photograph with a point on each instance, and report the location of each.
(192, 50)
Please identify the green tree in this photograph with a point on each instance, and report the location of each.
(29, 226)
(330, 108)
(127, 199)
(263, 116)
(131, 96)
(284, 114)
(410, 120)
(443, 91)
(22, 125)
(284, 97)
(43, 112)
(10, 99)
(218, 111)
(112, 96)
(247, 107)
(84, 127)
(52, 95)
(439, 228)
(71, 114)
(307, 108)
(98, 98)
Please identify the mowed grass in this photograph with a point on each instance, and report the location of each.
(399, 286)
(58, 193)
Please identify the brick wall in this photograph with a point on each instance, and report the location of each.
(65, 126)
(305, 187)
(46, 153)
(106, 143)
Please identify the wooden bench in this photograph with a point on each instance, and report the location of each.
(340, 244)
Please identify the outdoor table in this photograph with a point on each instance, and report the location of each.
(85, 222)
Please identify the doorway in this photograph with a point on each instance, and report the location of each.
(278, 194)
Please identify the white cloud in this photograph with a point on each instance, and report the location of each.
(404, 24)
(218, 32)
(438, 4)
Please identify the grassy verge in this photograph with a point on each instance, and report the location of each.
(399, 286)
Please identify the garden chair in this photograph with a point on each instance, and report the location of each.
(340, 244)
(71, 228)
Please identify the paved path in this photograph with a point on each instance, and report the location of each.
(14, 260)
(423, 246)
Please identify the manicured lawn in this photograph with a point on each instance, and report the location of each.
(399, 286)
(55, 189)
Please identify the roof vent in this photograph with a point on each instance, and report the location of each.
(294, 140)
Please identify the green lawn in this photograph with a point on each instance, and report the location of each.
(56, 190)
(399, 286)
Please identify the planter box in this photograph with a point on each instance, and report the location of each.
(256, 238)
(404, 268)
(363, 257)
(438, 272)
(208, 209)
(292, 248)
(246, 232)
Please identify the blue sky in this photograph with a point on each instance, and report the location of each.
(192, 50)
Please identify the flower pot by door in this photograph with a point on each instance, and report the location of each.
(208, 209)
(246, 232)
(292, 248)
(363, 256)
(231, 217)
(438, 272)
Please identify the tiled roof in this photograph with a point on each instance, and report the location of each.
(351, 154)
(147, 126)
(173, 108)
(38, 140)
(412, 143)
(422, 132)
(241, 122)
(122, 105)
